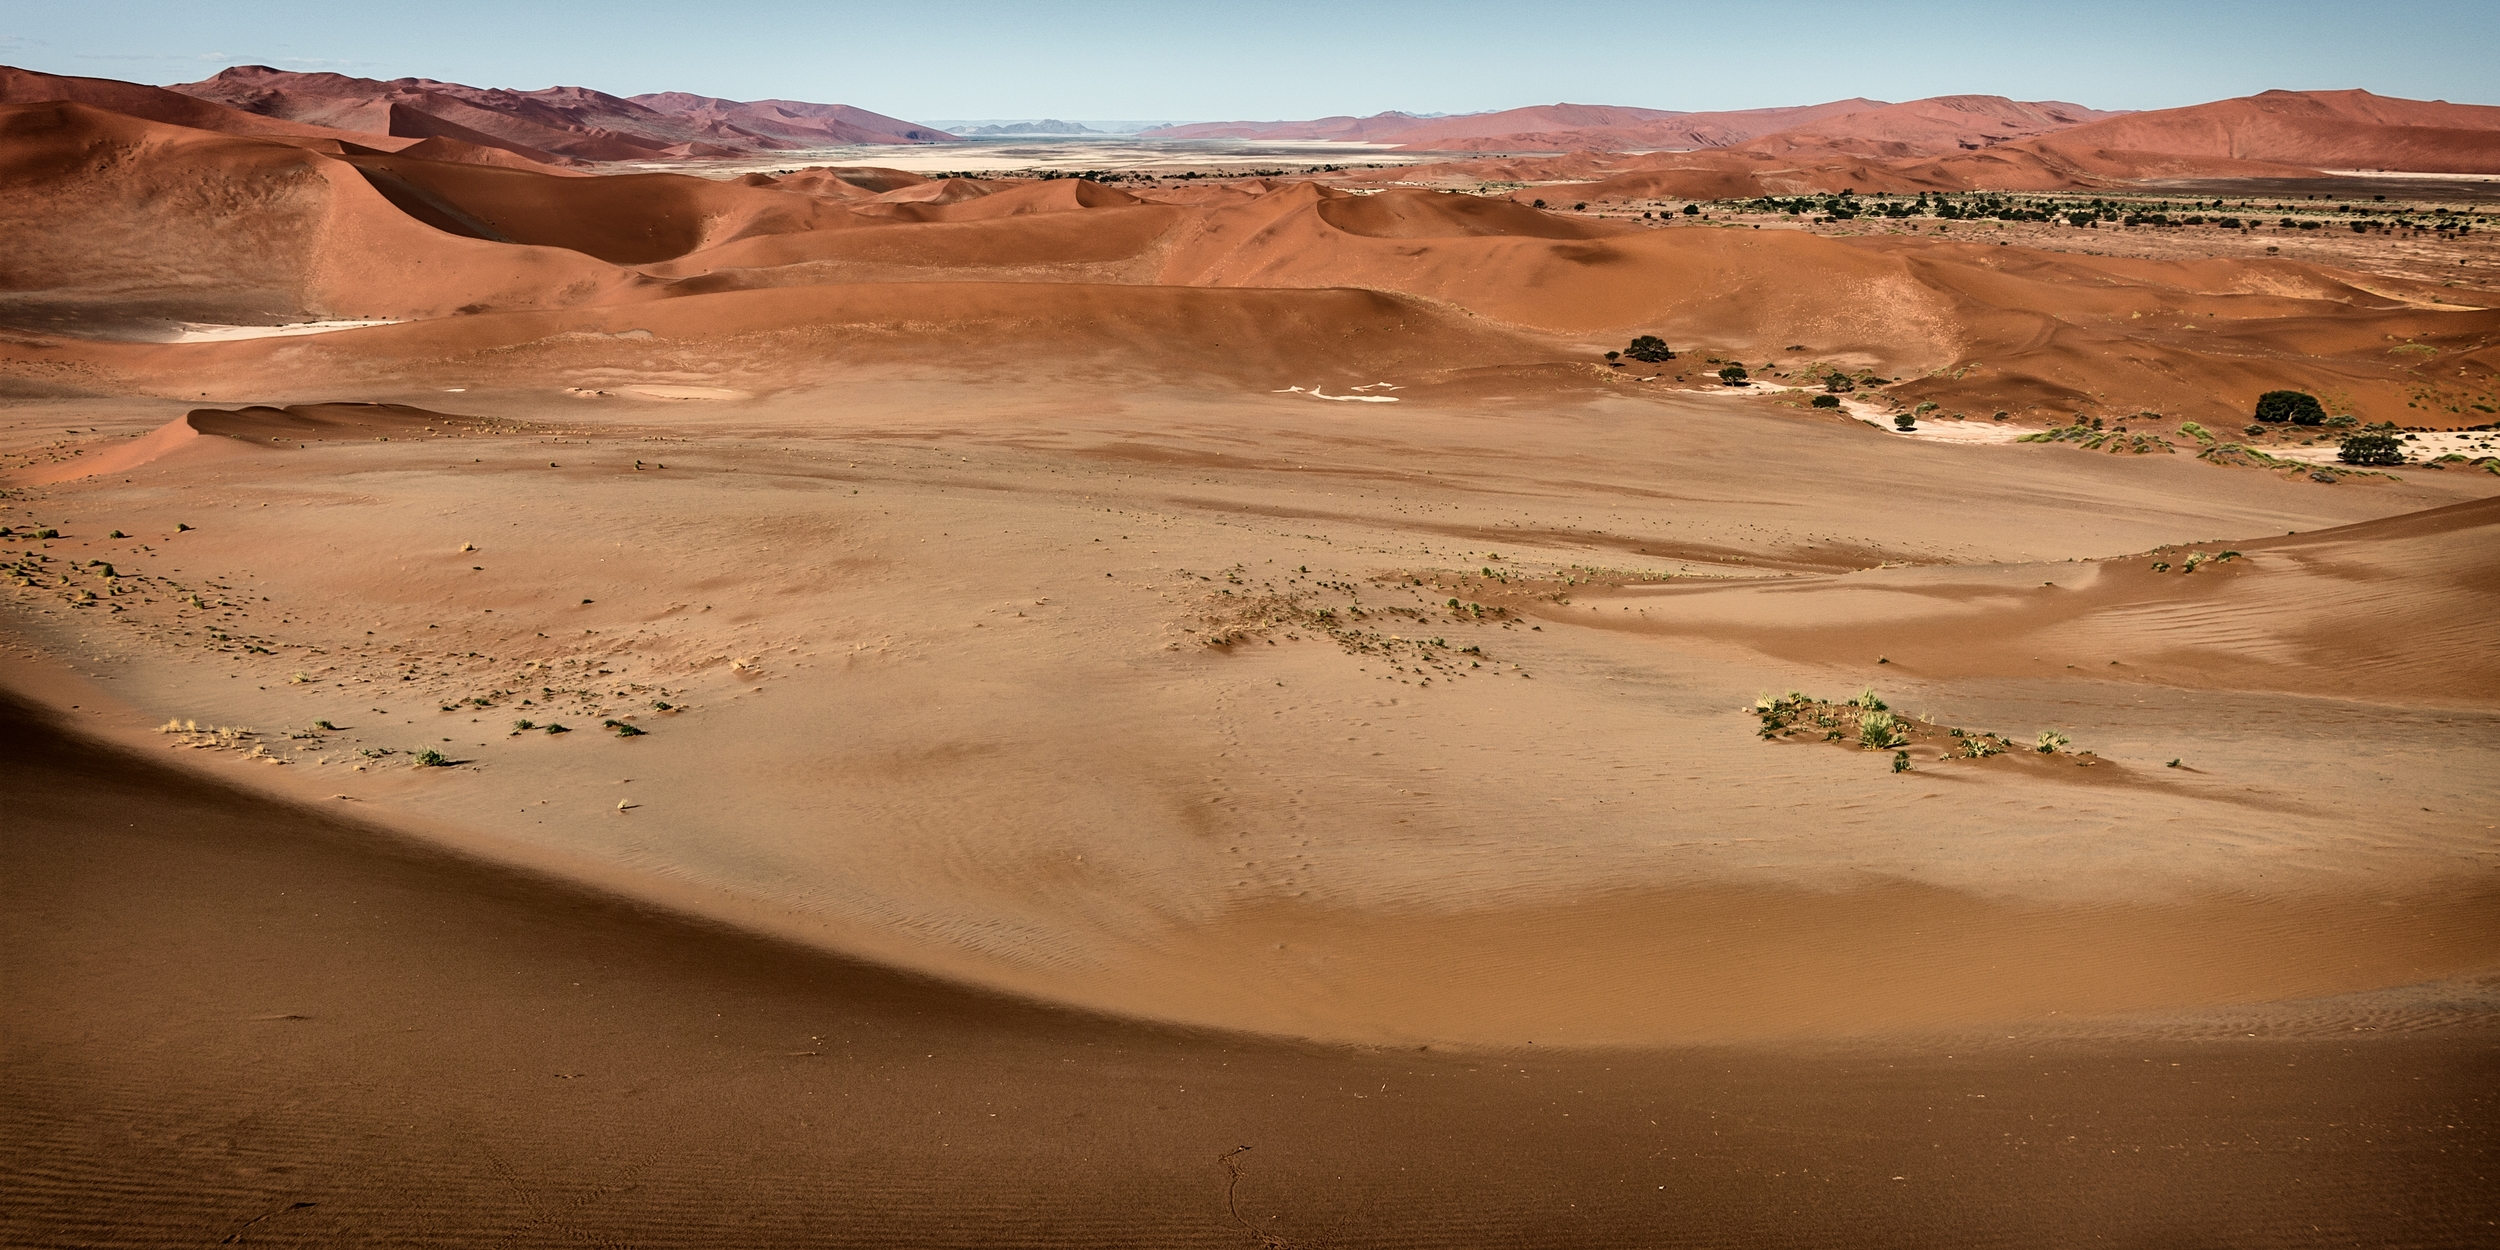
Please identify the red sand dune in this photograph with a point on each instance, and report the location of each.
(808, 125)
(156, 104)
(549, 124)
(2316, 129)
(1939, 126)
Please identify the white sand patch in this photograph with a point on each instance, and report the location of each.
(1928, 429)
(211, 332)
(2408, 173)
(686, 392)
(1316, 393)
(2418, 447)
(1945, 431)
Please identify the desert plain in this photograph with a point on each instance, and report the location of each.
(1190, 707)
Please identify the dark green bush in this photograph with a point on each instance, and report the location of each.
(1827, 401)
(1733, 375)
(2297, 407)
(1649, 349)
(2371, 449)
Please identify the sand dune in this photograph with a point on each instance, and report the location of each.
(552, 124)
(1999, 329)
(809, 125)
(1939, 126)
(846, 706)
(1961, 143)
(2315, 129)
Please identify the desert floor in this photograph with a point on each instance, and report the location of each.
(1046, 783)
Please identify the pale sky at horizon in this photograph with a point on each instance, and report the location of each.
(1299, 59)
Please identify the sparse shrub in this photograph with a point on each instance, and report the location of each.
(520, 726)
(1900, 761)
(624, 730)
(558, 729)
(1827, 401)
(2051, 742)
(1868, 700)
(1879, 731)
(429, 758)
(2296, 407)
(1538, 204)
(323, 724)
(2371, 449)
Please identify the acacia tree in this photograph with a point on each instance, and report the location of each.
(2297, 407)
(1733, 375)
(1649, 349)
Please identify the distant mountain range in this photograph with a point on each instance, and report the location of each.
(1943, 124)
(1046, 126)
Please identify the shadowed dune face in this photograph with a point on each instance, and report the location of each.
(236, 1020)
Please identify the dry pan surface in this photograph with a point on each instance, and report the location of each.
(1154, 701)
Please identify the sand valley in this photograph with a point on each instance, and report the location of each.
(825, 704)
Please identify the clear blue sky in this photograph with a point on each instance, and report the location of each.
(1300, 58)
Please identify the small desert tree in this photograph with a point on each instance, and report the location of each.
(2297, 407)
(1649, 349)
(1905, 423)
(2371, 449)
(1733, 375)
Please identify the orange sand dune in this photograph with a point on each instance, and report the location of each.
(296, 235)
(2305, 614)
(204, 433)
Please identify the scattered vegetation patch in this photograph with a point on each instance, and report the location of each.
(1866, 723)
(2095, 434)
